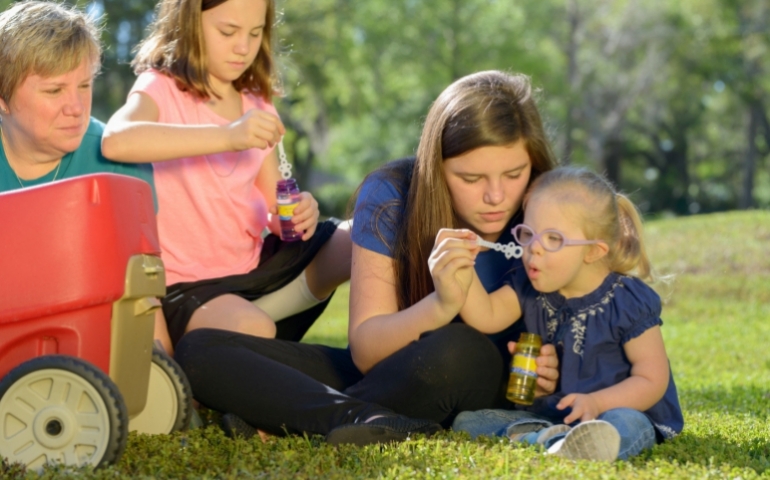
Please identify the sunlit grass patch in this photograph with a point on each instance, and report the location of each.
(716, 318)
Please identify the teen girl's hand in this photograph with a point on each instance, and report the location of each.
(255, 129)
(305, 216)
(451, 265)
(547, 369)
(584, 407)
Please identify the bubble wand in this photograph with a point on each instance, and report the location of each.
(510, 250)
(287, 193)
(283, 165)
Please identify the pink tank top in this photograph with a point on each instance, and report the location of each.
(210, 213)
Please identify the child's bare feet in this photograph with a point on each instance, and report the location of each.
(264, 436)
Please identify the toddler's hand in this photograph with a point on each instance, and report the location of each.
(306, 214)
(584, 407)
(255, 129)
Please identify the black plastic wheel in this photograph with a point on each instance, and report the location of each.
(58, 408)
(169, 399)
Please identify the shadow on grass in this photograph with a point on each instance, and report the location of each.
(714, 451)
(753, 400)
(723, 427)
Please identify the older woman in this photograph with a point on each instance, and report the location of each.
(49, 56)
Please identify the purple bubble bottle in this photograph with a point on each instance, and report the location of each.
(287, 192)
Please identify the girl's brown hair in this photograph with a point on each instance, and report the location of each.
(606, 215)
(175, 46)
(489, 108)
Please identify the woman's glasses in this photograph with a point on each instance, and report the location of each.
(552, 240)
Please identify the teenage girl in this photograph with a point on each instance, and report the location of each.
(482, 143)
(581, 289)
(201, 111)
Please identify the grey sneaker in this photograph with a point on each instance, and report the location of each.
(550, 432)
(592, 440)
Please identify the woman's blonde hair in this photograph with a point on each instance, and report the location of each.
(605, 214)
(45, 39)
(175, 46)
(490, 108)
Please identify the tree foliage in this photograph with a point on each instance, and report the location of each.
(669, 99)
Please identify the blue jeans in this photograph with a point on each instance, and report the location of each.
(635, 428)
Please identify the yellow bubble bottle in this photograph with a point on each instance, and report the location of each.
(521, 385)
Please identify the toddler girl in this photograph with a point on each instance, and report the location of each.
(581, 289)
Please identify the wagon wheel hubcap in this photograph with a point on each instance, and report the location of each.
(53, 415)
(160, 412)
(53, 427)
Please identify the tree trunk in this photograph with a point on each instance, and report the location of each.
(572, 79)
(746, 199)
(613, 154)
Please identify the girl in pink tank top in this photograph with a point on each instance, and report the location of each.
(201, 112)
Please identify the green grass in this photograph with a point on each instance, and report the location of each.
(716, 325)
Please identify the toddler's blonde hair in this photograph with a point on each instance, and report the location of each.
(605, 215)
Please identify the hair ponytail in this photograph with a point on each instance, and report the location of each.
(606, 215)
(629, 253)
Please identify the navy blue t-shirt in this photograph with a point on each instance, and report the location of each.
(379, 212)
(589, 333)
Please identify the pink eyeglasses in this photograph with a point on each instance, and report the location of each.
(552, 240)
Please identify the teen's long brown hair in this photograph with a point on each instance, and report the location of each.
(175, 46)
(489, 108)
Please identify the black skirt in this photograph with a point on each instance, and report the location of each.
(279, 263)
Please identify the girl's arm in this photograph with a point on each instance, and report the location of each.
(134, 135)
(643, 389)
(486, 312)
(377, 328)
(490, 312)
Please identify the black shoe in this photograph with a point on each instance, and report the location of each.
(389, 428)
(234, 426)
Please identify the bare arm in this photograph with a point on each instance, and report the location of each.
(490, 312)
(641, 390)
(377, 328)
(134, 135)
(486, 312)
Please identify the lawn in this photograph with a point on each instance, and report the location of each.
(716, 287)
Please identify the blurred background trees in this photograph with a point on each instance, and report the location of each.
(669, 99)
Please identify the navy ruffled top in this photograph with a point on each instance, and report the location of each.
(589, 333)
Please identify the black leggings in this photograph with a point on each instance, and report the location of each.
(285, 387)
